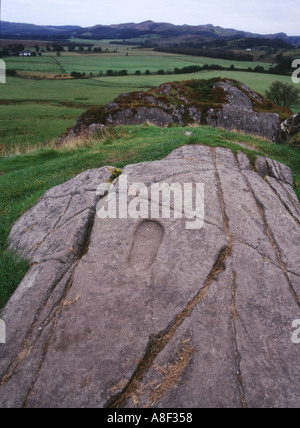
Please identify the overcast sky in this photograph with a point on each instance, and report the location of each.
(258, 16)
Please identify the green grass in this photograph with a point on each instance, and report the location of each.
(142, 60)
(34, 112)
(126, 58)
(19, 130)
(44, 64)
(24, 178)
(80, 92)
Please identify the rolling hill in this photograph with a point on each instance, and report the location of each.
(160, 31)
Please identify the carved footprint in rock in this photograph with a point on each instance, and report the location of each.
(146, 243)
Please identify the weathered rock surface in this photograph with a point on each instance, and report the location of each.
(145, 312)
(216, 102)
(239, 114)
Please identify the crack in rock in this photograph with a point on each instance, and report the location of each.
(158, 342)
(272, 240)
(234, 315)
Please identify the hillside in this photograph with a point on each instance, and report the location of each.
(160, 31)
(19, 30)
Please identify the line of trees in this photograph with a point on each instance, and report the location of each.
(279, 69)
(208, 53)
(74, 47)
(12, 50)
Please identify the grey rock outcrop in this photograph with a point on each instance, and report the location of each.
(268, 167)
(239, 115)
(123, 312)
(216, 102)
(154, 115)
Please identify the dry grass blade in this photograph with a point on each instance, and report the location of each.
(173, 373)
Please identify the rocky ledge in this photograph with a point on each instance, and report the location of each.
(217, 102)
(142, 312)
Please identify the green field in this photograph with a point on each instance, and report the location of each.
(130, 60)
(142, 60)
(18, 129)
(44, 64)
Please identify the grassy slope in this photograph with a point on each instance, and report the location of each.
(24, 178)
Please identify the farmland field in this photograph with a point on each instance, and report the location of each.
(36, 111)
(130, 60)
(143, 60)
(45, 64)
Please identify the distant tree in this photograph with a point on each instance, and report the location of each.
(147, 72)
(78, 75)
(259, 69)
(122, 73)
(57, 47)
(284, 64)
(283, 94)
(11, 73)
(138, 73)
(14, 50)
